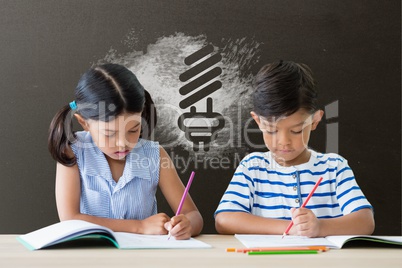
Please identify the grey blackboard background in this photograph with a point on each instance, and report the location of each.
(353, 48)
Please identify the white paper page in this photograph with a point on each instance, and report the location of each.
(262, 241)
(60, 231)
(137, 241)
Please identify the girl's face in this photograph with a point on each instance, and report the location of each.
(115, 138)
(287, 137)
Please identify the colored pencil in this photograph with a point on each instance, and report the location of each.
(303, 205)
(245, 250)
(183, 198)
(307, 251)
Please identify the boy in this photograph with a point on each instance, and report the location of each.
(267, 189)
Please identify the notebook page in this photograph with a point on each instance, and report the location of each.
(133, 241)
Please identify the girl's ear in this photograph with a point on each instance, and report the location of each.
(82, 121)
(316, 119)
(256, 118)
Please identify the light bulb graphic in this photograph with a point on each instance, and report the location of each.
(200, 127)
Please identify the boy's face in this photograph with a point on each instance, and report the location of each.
(117, 137)
(287, 137)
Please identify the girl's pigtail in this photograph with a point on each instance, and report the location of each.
(61, 136)
(149, 116)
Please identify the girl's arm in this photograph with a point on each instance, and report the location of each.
(246, 223)
(68, 191)
(189, 222)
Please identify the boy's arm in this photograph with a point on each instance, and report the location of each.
(246, 223)
(357, 211)
(305, 223)
(357, 223)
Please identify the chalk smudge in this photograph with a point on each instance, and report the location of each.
(159, 69)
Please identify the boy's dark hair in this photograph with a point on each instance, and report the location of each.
(282, 88)
(103, 93)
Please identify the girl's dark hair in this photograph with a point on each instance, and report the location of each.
(102, 93)
(282, 88)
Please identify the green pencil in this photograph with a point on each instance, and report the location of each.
(307, 251)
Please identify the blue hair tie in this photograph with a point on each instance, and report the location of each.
(73, 105)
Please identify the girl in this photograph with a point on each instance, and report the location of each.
(267, 189)
(107, 174)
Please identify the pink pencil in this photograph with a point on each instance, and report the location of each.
(303, 205)
(184, 195)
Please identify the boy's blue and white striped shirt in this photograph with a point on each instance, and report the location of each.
(133, 196)
(262, 187)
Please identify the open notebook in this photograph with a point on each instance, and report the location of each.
(77, 229)
(266, 241)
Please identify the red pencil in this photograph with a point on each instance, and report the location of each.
(303, 205)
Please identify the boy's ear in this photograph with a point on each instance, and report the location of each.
(317, 118)
(82, 121)
(256, 118)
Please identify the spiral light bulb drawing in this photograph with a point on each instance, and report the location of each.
(200, 127)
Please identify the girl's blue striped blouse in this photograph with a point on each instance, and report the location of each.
(262, 187)
(133, 196)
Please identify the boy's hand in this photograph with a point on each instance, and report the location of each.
(305, 223)
(179, 227)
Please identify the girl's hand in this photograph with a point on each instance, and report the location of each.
(179, 227)
(154, 225)
(305, 223)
